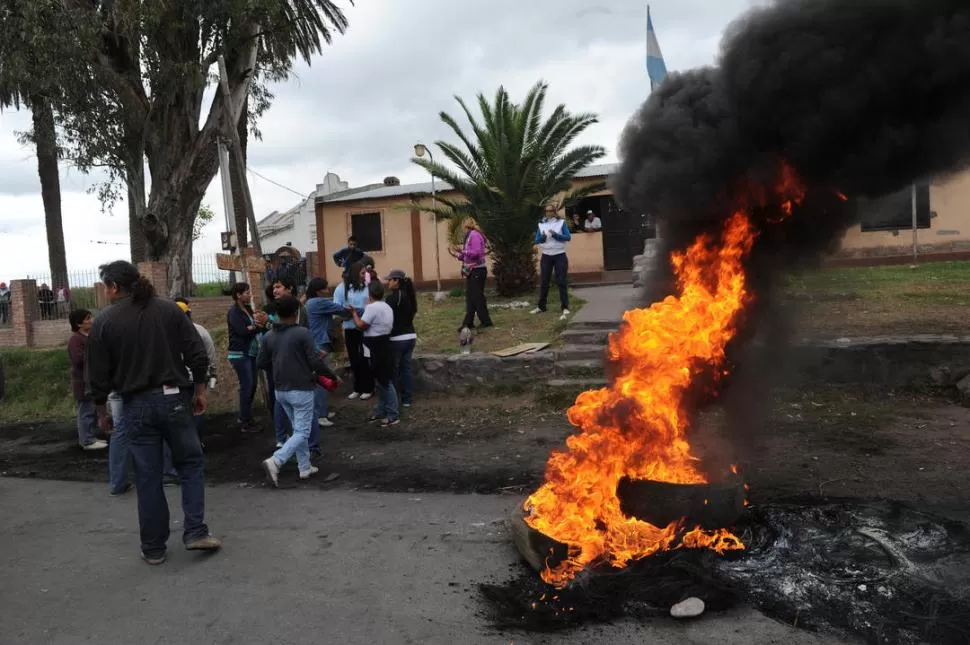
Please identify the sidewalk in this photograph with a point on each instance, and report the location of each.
(605, 304)
(298, 567)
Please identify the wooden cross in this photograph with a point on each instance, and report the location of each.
(249, 263)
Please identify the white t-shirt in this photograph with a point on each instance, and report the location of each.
(593, 225)
(380, 317)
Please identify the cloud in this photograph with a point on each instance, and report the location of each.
(361, 106)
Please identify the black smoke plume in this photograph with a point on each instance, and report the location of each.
(860, 96)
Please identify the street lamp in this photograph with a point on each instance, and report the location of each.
(420, 150)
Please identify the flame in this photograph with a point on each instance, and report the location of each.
(637, 426)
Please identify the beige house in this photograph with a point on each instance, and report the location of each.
(400, 236)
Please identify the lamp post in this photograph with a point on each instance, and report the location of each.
(420, 150)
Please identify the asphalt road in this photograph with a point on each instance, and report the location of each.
(298, 566)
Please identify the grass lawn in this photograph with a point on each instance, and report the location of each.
(437, 324)
(885, 300)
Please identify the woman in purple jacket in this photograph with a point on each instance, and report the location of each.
(472, 257)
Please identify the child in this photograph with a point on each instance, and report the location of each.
(87, 418)
(289, 351)
(376, 323)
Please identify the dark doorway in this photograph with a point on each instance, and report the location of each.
(623, 233)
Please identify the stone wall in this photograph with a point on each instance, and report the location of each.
(450, 372)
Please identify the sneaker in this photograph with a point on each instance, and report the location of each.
(331, 415)
(376, 419)
(250, 428)
(272, 471)
(565, 314)
(537, 311)
(204, 543)
(279, 444)
(306, 474)
(97, 444)
(389, 422)
(406, 405)
(153, 560)
(364, 397)
(353, 395)
(325, 422)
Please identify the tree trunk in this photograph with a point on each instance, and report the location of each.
(238, 201)
(45, 139)
(135, 180)
(514, 269)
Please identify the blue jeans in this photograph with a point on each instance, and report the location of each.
(167, 467)
(321, 408)
(298, 405)
(386, 406)
(119, 456)
(402, 351)
(246, 371)
(87, 421)
(152, 419)
(280, 423)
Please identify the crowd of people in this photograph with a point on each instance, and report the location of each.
(144, 359)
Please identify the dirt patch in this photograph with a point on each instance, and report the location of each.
(832, 442)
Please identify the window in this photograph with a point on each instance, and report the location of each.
(895, 212)
(366, 227)
(313, 235)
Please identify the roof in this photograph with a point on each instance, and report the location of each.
(382, 192)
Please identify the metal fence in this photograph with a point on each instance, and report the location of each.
(204, 271)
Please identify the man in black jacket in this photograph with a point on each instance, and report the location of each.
(139, 347)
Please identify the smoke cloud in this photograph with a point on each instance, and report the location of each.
(860, 96)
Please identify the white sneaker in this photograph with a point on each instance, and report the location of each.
(331, 415)
(279, 444)
(536, 311)
(565, 314)
(272, 471)
(364, 397)
(353, 395)
(313, 471)
(325, 422)
(97, 444)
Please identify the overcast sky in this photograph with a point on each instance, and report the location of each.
(361, 106)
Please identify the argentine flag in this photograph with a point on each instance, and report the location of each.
(656, 68)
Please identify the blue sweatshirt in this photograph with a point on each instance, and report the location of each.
(321, 312)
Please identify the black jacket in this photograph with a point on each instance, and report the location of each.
(403, 312)
(137, 347)
(240, 338)
(290, 352)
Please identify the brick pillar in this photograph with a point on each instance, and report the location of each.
(157, 274)
(23, 311)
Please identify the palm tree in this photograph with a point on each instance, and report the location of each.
(513, 166)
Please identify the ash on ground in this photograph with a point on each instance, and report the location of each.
(879, 571)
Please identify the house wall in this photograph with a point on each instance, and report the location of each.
(949, 230)
(300, 234)
(409, 239)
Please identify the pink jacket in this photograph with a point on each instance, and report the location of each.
(474, 253)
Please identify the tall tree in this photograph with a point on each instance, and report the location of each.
(26, 80)
(153, 59)
(514, 164)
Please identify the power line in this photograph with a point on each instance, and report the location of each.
(276, 183)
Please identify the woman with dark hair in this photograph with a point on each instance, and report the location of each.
(353, 292)
(245, 326)
(404, 302)
(87, 416)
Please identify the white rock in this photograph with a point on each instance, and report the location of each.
(688, 608)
